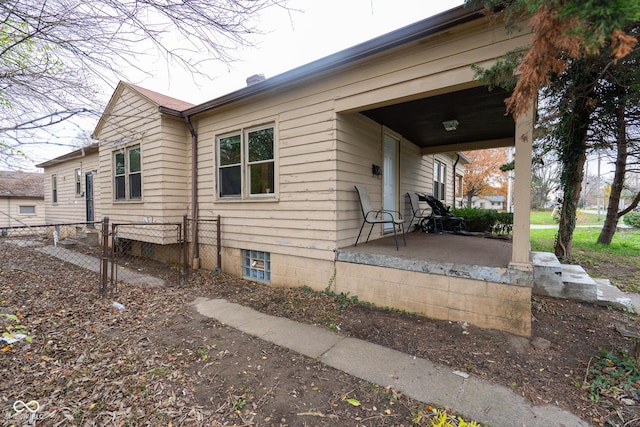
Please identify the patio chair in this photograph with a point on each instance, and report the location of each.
(421, 215)
(380, 216)
(447, 217)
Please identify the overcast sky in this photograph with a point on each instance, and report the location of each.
(311, 30)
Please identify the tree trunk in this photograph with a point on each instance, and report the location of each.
(573, 131)
(611, 221)
(571, 197)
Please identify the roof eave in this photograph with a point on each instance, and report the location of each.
(79, 153)
(14, 196)
(387, 41)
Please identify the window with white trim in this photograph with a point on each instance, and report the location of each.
(439, 179)
(127, 174)
(78, 182)
(27, 210)
(54, 188)
(246, 163)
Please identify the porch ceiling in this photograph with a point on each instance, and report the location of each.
(480, 113)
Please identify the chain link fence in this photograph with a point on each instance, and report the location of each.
(114, 255)
(148, 253)
(73, 243)
(203, 236)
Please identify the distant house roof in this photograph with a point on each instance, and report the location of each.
(494, 199)
(21, 184)
(79, 153)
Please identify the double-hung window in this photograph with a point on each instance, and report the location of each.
(230, 165)
(127, 174)
(78, 182)
(439, 179)
(246, 163)
(54, 188)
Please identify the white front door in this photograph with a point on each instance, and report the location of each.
(390, 176)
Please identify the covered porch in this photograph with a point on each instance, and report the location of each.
(443, 276)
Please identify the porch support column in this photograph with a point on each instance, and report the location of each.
(520, 256)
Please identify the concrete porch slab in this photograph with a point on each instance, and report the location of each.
(447, 254)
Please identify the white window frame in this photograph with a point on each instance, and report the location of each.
(439, 179)
(229, 165)
(20, 208)
(54, 189)
(246, 164)
(127, 174)
(77, 173)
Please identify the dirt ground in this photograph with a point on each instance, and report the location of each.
(158, 363)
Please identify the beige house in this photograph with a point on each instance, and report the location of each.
(70, 192)
(278, 161)
(145, 166)
(21, 199)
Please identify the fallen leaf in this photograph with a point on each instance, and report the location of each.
(354, 402)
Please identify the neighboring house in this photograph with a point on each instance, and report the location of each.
(70, 193)
(498, 203)
(278, 160)
(21, 199)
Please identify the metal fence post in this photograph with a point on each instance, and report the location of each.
(105, 256)
(114, 255)
(218, 245)
(185, 247)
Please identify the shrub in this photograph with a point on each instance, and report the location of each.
(632, 219)
(485, 220)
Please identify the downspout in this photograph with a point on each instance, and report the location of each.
(194, 192)
(455, 164)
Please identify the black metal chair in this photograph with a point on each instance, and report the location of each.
(379, 216)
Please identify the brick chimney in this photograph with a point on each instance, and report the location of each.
(256, 78)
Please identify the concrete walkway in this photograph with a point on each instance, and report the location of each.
(125, 275)
(417, 378)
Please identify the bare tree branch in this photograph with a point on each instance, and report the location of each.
(52, 52)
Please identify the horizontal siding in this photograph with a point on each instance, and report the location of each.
(10, 215)
(425, 67)
(301, 221)
(70, 206)
(164, 156)
(357, 134)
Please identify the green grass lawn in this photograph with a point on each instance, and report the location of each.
(619, 262)
(544, 217)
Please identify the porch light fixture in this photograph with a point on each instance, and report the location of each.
(450, 125)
